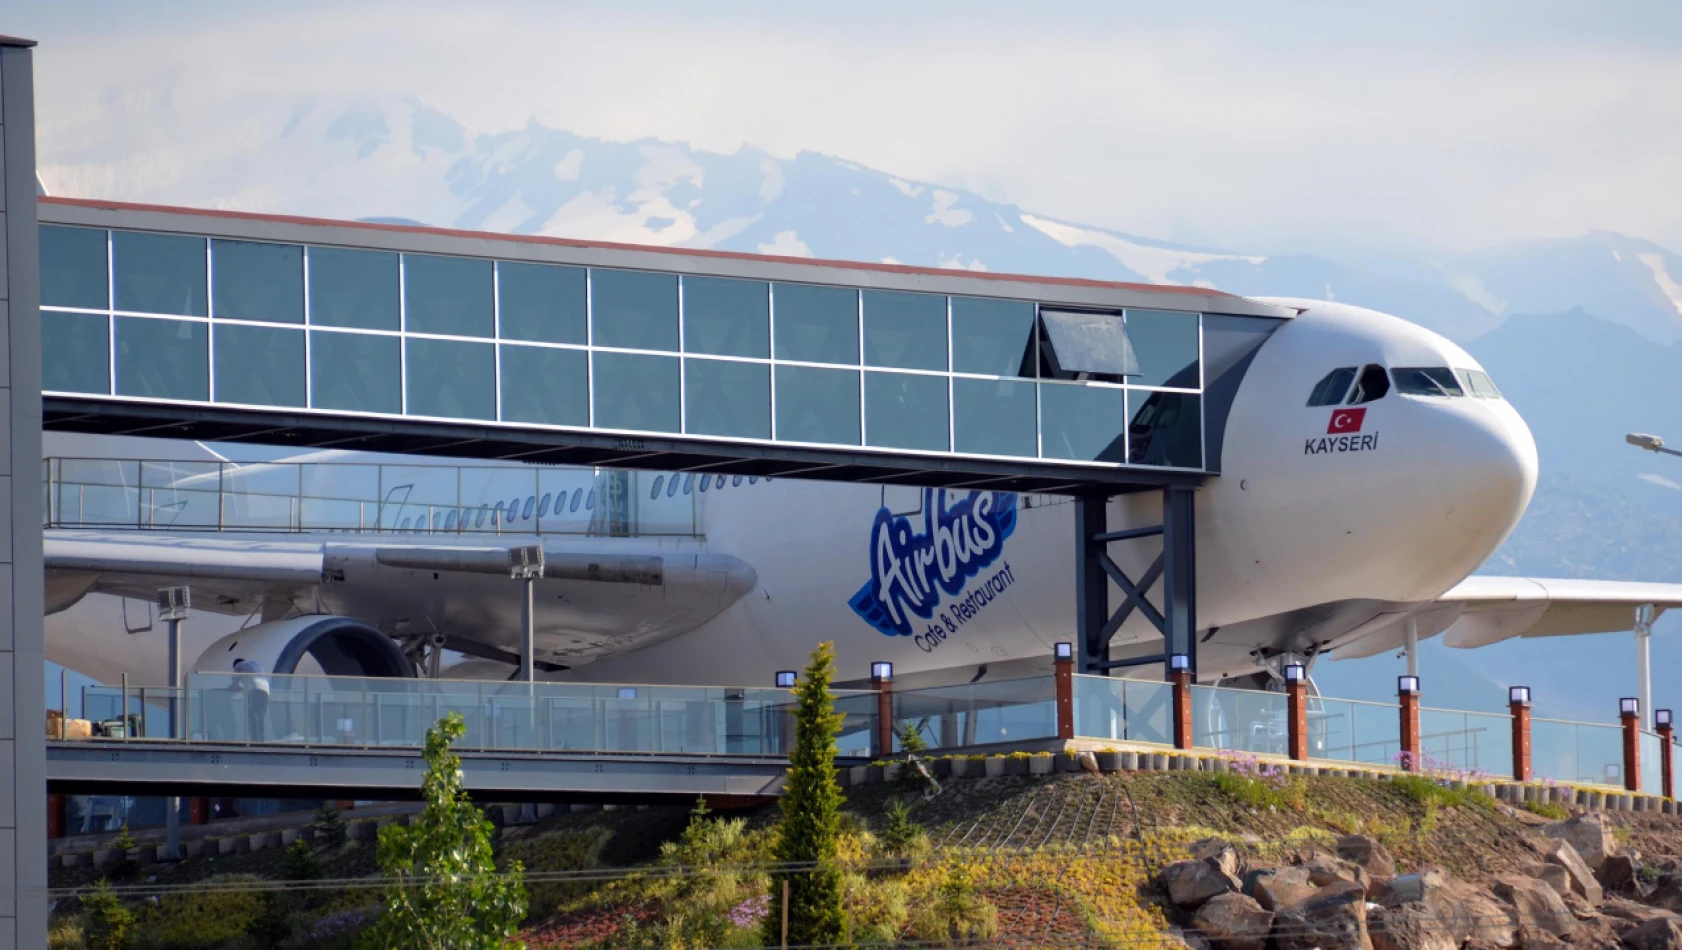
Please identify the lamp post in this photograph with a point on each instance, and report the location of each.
(1651, 443)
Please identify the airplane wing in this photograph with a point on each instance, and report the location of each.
(1482, 610)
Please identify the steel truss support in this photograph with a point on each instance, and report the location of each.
(1175, 568)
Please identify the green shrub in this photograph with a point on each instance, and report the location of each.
(809, 835)
(329, 826)
(911, 740)
(301, 862)
(901, 837)
(956, 914)
(229, 908)
(106, 923)
(125, 866)
(1268, 789)
(66, 934)
(1430, 792)
(1553, 810)
(558, 851)
(878, 909)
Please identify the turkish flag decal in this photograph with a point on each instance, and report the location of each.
(1346, 420)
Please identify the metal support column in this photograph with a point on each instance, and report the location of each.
(528, 630)
(1413, 646)
(1643, 660)
(1175, 567)
(1092, 588)
(173, 603)
(1179, 555)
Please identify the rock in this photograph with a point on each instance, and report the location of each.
(1620, 874)
(1177, 939)
(1408, 927)
(1539, 906)
(1465, 911)
(1333, 918)
(1233, 922)
(1537, 938)
(1087, 761)
(1668, 893)
(1554, 876)
(1623, 914)
(1368, 855)
(1190, 883)
(1324, 869)
(1665, 934)
(1279, 888)
(1564, 855)
(1220, 853)
(1596, 934)
(1589, 834)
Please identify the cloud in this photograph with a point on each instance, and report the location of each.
(786, 244)
(1436, 123)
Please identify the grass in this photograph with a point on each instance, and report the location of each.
(1553, 810)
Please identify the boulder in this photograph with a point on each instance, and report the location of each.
(1333, 918)
(1620, 874)
(1176, 939)
(1564, 855)
(1407, 927)
(1190, 883)
(1624, 914)
(1539, 906)
(1664, 934)
(1464, 911)
(1233, 922)
(1087, 761)
(1368, 855)
(1554, 876)
(1220, 853)
(1537, 938)
(1667, 893)
(1324, 869)
(1589, 834)
(1279, 888)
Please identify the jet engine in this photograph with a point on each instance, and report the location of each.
(342, 646)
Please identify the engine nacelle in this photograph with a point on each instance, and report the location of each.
(343, 646)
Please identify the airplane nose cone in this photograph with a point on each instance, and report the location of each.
(1493, 470)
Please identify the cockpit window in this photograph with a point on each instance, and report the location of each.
(1426, 381)
(1330, 390)
(1479, 383)
(1372, 385)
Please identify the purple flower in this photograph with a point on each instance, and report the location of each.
(749, 912)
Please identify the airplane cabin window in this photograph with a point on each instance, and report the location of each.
(1331, 389)
(1372, 385)
(1480, 385)
(1426, 381)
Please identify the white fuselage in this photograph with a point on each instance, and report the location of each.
(1302, 536)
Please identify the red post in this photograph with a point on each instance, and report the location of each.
(1181, 681)
(882, 680)
(1667, 740)
(1407, 695)
(58, 815)
(1519, 702)
(1296, 708)
(1630, 712)
(198, 811)
(1064, 679)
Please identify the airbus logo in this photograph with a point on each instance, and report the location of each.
(914, 567)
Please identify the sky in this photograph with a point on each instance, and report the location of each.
(1313, 127)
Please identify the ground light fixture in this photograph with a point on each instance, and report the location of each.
(1180, 663)
(786, 678)
(627, 692)
(1629, 706)
(1064, 650)
(881, 671)
(1661, 717)
(1295, 673)
(1518, 694)
(1407, 685)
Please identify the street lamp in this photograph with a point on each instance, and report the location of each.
(1651, 443)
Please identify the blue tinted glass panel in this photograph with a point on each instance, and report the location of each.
(726, 317)
(1165, 343)
(73, 272)
(634, 309)
(163, 359)
(816, 324)
(992, 337)
(1084, 423)
(993, 417)
(817, 405)
(636, 391)
(1164, 429)
(727, 398)
(158, 273)
(261, 366)
(358, 289)
(905, 331)
(545, 386)
(252, 281)
(543, 303)
(448, 295)
(356, 372)
(902, 411)
(75, 352)
(452, 379)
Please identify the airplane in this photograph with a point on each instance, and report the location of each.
(1369, 467)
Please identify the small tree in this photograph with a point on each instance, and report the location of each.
(329, 826)
(811, 826)
(105, 921)
(448, 891)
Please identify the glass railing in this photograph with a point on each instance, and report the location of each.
(1239, 720)
(1652, 763)
(982, 713)
(1124, 710)
(499, 715)
(1475, 743)
(1580, 752)
(1349, 730)
(372, 498)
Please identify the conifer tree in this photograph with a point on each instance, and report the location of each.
(807, 841)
